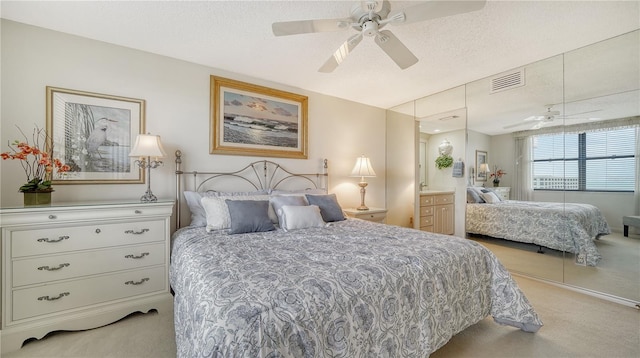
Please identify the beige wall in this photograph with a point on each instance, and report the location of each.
(402, 141)
(177, 103)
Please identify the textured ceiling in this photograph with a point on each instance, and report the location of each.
(236, 36)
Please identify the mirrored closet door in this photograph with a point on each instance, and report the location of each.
(545, 111)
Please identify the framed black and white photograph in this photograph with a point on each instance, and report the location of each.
(257, 121)
(481, 172)
(93, 134)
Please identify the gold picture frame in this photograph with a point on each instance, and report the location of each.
(252, 120)
(93, 134)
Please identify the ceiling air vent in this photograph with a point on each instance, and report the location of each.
(508, 81)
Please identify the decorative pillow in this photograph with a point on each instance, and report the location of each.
(329, 207)
(488, 190)
(478, 191)
(473, 197)
(198, 214)
(278, 201)
(217, 211)
(249, 216)
(301, 217)
(490, 197)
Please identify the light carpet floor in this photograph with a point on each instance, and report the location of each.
(617, 273)
(576, 325)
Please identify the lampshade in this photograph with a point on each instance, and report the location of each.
(363, 168)
(148, 145)
(484, 168)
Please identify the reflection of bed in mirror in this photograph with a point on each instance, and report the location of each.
(569, 227)
(301, 289)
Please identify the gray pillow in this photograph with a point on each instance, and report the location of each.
(249, 216)
(329, 207)
(278, 201)
(473, 197)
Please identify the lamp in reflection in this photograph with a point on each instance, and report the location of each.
(148, 146)
(484, 168)
(363, 169)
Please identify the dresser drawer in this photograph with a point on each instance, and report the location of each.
(62, 296)
(377, 217)
(426, 210)
(444, 199)
(63, 239)
(426, 200)
(426, 220)
(427, 228)
(59, 267)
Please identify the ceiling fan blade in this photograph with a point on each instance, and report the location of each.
(308, 26)
(539, 125)
(581, 113)
(515, 125)
(341, 53)
(533, 118)
(435, 9)
(398, 52)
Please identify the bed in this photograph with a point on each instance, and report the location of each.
(570, 227)
(330, 287)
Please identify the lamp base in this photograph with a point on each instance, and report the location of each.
(362, 184)
(148, 197)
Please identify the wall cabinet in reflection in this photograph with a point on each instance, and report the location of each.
(437, 212)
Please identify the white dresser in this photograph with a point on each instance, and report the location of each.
(81, 265)
(502, 191)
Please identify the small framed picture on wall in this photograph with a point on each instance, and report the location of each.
(482, 165)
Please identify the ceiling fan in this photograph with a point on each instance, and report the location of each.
(368, 18)
(545, 118)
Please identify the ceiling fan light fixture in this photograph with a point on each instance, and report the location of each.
(370, 28)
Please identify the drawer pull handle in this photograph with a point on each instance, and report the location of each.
(138, 211)
(52, 217)
(137, 257)
(137, 283)
(47, 298)
(98, 231)
(136, 232)
(46, 239)
(54, 268)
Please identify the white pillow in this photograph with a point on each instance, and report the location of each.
(301, 217)
(217, 211)
(193, 199)
(490, 197)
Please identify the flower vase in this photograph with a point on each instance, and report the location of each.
(37, 197)
(496, 183)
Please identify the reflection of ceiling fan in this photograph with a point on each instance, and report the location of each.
(368, 18)
(545, 118)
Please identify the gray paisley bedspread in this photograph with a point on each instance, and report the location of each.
(353, 289)
(567, 227)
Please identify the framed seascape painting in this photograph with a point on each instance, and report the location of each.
(93, 134)
(481, 158)
(257, 121)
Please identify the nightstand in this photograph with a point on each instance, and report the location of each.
(502, 191)
(373, 214)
